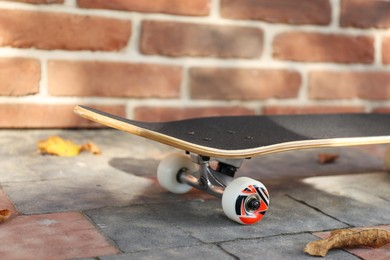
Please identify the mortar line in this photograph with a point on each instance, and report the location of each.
(215, 11)
(131, 56)
(71, 3)
(44, 81)
(335, 14)
(72, 8)
(36, 99)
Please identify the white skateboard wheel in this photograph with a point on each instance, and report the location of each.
(168, 170)
(245, 200)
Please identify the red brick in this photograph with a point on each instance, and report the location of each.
(39, 1)
(19, 76)
(279, 11)
(44, 30)
(317, 47)
(386, 50)
(52, 236)
(284, 110)
(384, 110)
(180, 7)
(349, 85)
(189, 39)
(245, 84)
(156, 114)
(365, 14)
(48, 115)
(113, 79)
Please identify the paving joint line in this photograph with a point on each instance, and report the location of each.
(384, 198)
(218, 244)
(318, 210)
(226, 252)
(255, 238)
(380, 197)
(109, 240)
(32, 181)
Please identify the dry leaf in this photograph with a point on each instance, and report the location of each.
(55, 145)
(325, 158)
(92, 148)
(4, 215)
(349, 238)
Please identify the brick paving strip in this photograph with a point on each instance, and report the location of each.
(50, 236)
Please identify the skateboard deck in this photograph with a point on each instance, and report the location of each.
(229, 140)
(248, 136)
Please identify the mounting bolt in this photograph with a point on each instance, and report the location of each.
(203, 183)
(253, 204)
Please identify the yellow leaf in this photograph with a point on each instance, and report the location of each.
(57, 146)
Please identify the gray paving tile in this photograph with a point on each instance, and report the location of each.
(123, 175)
(206, 220)
(139, 227)
(359, 200)
(80, 183)
(278, 247)
(89, 258)
(193, 252)
(113, 143)
(304, 163)
(41, 184)
(78, 189)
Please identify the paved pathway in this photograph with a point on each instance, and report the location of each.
(111, 207)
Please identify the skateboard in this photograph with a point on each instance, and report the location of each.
(216, 147)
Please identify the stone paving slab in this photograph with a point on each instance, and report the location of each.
(52, 236)
(40, 184)
(278, 247)
(82, 186)
(206, 221)
(76, 191)
(193, 252)
(358, 200)
(304, 163)
(139, 228)
(112, 142)
(368, 186)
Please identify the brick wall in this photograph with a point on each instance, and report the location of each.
(170, 59)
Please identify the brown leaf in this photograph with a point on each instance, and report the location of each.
(325, 158)
(4, 215)
(92, 148)
(349, 238)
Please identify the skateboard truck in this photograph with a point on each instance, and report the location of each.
(210, 180)
(244, 200)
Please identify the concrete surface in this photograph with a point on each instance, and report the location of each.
(111, 206)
